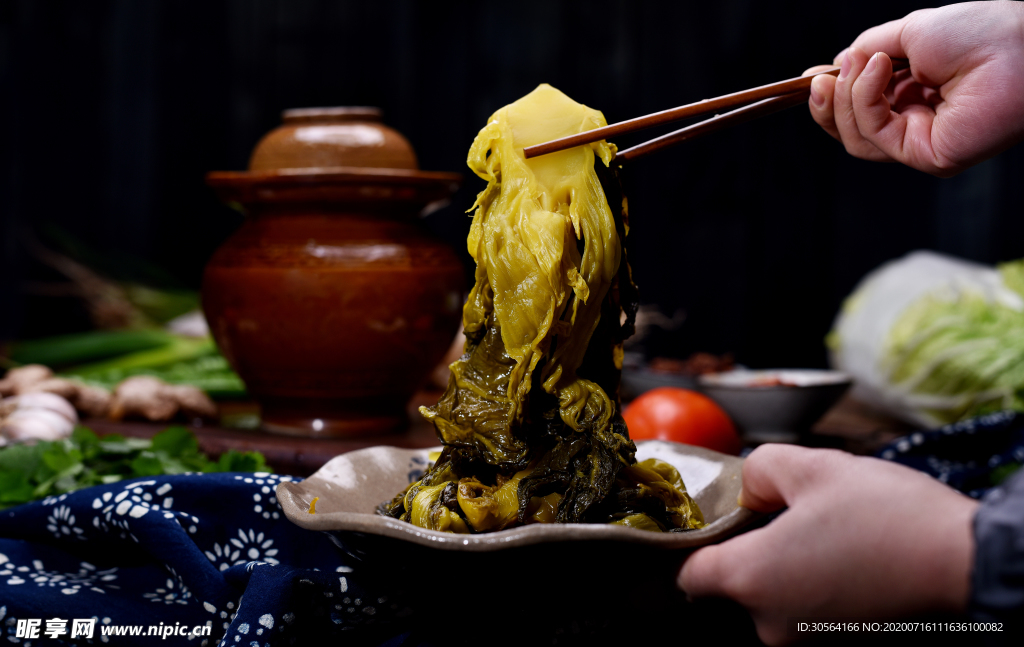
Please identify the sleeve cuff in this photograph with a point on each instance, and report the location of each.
(997, 581)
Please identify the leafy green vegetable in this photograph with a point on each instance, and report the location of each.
(29, 472)
(959, 358)
(934, 339)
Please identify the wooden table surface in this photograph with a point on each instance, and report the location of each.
(849, 425)
(293, 455)
(853, 426)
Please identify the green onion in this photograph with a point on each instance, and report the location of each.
(78, 348)
(183, 361)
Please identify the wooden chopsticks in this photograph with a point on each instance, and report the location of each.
(718, 122)
(767, 99)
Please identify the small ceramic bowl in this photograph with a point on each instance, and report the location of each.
(777, 405)
(538, 565)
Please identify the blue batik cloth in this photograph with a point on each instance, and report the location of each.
(972, 455)
(183, 552)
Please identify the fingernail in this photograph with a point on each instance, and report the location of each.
(872, 64)
(845, 68)
(817, 98)
(838, 60)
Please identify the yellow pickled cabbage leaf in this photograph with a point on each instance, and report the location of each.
(541, 291)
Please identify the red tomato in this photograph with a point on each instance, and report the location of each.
(682, 416)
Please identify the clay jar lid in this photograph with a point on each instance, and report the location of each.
(332, 137)
(331, 155)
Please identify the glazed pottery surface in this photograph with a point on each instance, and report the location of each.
(592, 574)
(328, 137)
(330, 301)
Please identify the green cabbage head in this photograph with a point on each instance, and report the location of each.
(934, 339)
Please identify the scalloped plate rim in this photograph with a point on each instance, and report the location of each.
(295, 508)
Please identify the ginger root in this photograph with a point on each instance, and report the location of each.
(152, 399)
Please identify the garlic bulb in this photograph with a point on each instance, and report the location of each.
(32, 417)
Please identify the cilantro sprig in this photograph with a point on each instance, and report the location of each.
(30, 472)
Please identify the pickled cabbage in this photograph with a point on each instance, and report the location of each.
(934, 339)
(530, 420)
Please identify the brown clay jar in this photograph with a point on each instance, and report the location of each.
(331, 302)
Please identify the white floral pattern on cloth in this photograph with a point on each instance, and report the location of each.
(172, 592)
(136, 500)
(87, 577)
(114, 508)
(265, 501)
(224, 616)
(62, 524)
(244, 631)
(972, 455)
(247, 547)
(51, 500)
(229, 544)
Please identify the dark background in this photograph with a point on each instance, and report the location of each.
(114, 110)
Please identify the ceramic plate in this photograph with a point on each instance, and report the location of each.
(517, 586)
(351, 486)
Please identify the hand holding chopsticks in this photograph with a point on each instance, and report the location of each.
(767, 99)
